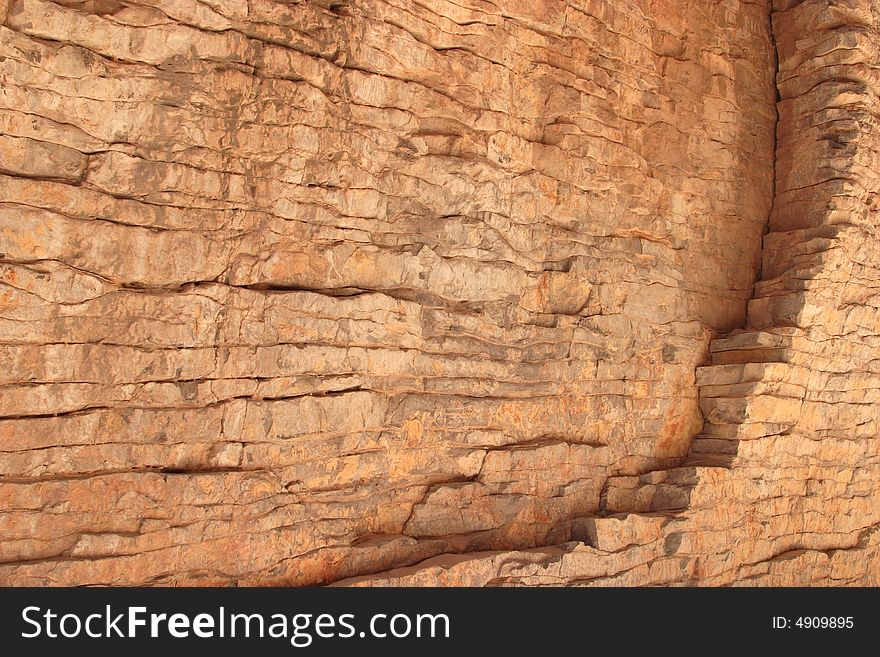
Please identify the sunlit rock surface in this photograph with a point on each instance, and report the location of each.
(439, 293)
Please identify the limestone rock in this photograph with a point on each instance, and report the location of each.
(459, 293)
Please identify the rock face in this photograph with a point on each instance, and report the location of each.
(394, 292)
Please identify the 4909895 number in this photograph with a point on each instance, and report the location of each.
(824, 622)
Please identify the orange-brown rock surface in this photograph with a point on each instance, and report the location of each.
(433, 292)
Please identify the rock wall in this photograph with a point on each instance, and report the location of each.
(782, 487)
(293, 292)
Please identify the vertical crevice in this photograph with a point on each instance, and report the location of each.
(774, 63)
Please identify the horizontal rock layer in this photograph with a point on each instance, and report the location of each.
(298, 292)
(782, 486)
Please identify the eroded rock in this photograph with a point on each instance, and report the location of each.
(291, 295)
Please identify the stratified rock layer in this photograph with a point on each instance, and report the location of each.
(297, 292)
(782, 487)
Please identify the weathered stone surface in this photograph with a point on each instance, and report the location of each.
(298, 292)
(782, 486)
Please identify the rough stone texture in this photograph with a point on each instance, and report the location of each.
(782, 487)
(421, 292)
